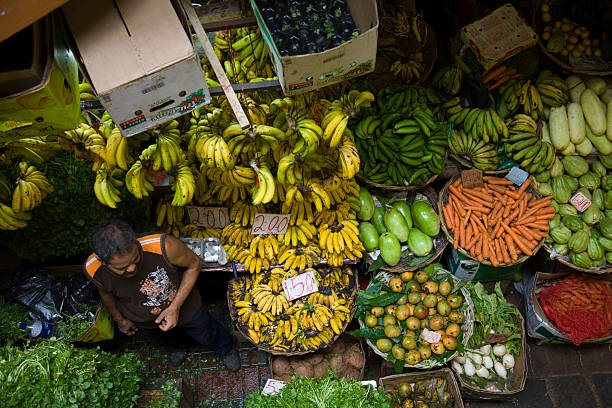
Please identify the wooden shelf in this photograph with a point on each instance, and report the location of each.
(15, 15)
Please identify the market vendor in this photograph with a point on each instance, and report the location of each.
(147, 283)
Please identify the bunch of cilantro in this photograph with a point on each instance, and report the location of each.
(325, 392)
(11, 314)
(492, 314)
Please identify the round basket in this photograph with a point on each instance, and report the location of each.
(467, 326)
(390, 187)
(561, 61)
(243, 329)
(440, 242)
(468, 165)
(565, 260)
(443, 200)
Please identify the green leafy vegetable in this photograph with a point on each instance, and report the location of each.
(323, 392)
(11, 314)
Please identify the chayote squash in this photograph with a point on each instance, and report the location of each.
(586, 193)
(580, 259)
(598, 168)
(605, 243)
(543, 177)
(589, 180)
(591, 215)
(572, 222)
(608, 213)
(598, 198)
(560, 234)
(572, 182)
(595, 250)
(554, 222)
(544, 189)
(608, 200)
(609, 257)
(555, 204)
(606, 182)
(561, 189)
(605, 227)
(561, 249)
(567, 209)
(575, 166)
(579, 241)
(598, 262)
(606, 160)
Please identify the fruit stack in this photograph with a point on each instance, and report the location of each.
(259, 308)
(409, 317)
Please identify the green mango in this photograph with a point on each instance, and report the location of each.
(378, 220)
(396, 224)
(390, 248)
(368, 236)
(367, 205)
(419, 243)
(404, 209)
(425, 218)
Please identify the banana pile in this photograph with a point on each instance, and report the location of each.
(168, 217)
(528, 145)
(106, 186)
(448, 79)
(482, 155)
(32, 187)
(407, 71)
(195, 231)
(261, 311)
(402, 144)
(532, 97)
(481, 124)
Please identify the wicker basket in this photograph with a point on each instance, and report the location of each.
(561, 61)
(443, 200)
(390, 187)
(391, 382)
(518, 380)
(439, 241)
(243, 329)
(565, 260)
(344, 336)
(467, 326)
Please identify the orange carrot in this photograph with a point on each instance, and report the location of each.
(527, 220)
(478, 200)
(477, 208)
(511, 249)
(484, 221)
(520, 243)
(513, 194)
(524, 186)
(542, 202)
(497, 188)
(447, 217)
(507, 210)
(504, 251)
(458, 194)
(492, 254)
(512, 216)
(477, 222)
(472, 242)
(485, 246)
(497, 180)
(525, 232)
(545, 216)
(478, 194)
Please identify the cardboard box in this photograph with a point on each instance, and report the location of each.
(139, 59)
(39, 84)
(102, 328)
(498, 36)
(301, 73)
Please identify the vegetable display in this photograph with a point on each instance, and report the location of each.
(432, 392)
(11, 314)
(498, 222)
(321, 392)
(398, 226)
(580, 306)
(414, 320)
(582, 238)
(488, 361)
(306, 27)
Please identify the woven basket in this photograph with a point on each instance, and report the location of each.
(467, 326)
(565, 260)
(391, 382)
(561, 61)
(390, 187)
(518, 381)
(439, 241)
(443, 200)
(243, 329)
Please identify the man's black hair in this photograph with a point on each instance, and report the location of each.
(112, 237)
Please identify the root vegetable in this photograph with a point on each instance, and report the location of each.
(499, 350)
(500, 370)
(487, 362)
(483, 372)
(508, 361)
(316, 358)
(460, 359)
(476, 358)
(469, 369)
(486, 349)
(281, 366)
(320, 370)
(352, 373)
(304, 370)
(457, 367)
(336, 364)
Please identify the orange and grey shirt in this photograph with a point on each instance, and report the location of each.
(142, 297)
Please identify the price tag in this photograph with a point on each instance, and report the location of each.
(300, 285)
(517, 176)
(580, 201)
(370, 382)
(430, 336)
(273, 386)
(270, 224)
(208, 217)
(377, 202)
(471, 178)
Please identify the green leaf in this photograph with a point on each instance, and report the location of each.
(376, 264)
(398, 367)
(380, 300)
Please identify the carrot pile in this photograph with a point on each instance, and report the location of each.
(580, 306)
(496, 222)
(496, 77)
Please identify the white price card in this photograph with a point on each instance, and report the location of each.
(208, 217)
(430, 336)
(270, 224)
(300, 285)
(580, 201)
(369, 382)
(273, 386)
(517, 176)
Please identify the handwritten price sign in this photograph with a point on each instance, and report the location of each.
(273, 386)
(581, 202)
(208, 217)
(270, 224)
(430, 336)
(301, 285)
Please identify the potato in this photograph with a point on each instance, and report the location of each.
(281, 366)
(304, 370)
(336, 348)
(351, 373)
(336, 364)
(320, 370)
(315, 358)
(354, 357)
